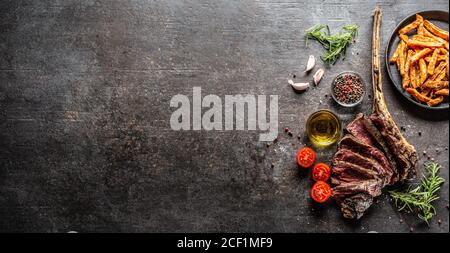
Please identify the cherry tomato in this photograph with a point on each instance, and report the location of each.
(321, 172)
(320, 192)
(305, 157)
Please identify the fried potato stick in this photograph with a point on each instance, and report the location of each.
(440, 76)
(409, 27)
(422, 71)
(419, 18)
(406, 75)
(397, 51)
(433, 60)
(420, 54)
(412, 75)
(418, 43)
(424, 38)
(420, 29)
(417, 95)
(436, 101)
(435, 85)
(443, 92)
(435, 30)
(402, 59)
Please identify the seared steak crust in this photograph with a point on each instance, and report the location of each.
(406, 158)
(354, 207)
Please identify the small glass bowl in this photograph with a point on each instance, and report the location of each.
(362, 96)
(332, 139)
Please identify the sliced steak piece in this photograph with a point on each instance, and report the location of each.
(351, 143)
(383, 146)
(344, 172)
(354, 207)
(405, 156)
(348, 156)
(357, 129)
(372, 187)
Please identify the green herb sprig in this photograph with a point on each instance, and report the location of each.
(422, 196)
(335, 45)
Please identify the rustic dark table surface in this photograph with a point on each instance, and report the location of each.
(85, 138)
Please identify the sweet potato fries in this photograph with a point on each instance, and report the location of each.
(422, 59)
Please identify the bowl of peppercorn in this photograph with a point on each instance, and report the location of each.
(348, 89)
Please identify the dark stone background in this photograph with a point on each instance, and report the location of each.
(85, 141)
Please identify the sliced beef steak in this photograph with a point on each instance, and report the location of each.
(358, 129)
(344, 172)
(382, 145)
(350, 142)
(345, 157)
(372, 187)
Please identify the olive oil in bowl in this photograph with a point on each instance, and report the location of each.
(323, 128)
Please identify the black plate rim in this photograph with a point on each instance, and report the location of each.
(398, 87)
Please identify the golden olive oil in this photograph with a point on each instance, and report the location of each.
(323, 128)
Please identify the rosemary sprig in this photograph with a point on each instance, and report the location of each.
(335, 45)
(422, 196)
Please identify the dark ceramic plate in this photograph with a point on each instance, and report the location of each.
(439, 18)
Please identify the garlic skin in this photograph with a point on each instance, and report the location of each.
(318, 76)
(298, 86)
(311, 63)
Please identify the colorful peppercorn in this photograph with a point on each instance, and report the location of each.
(348, 88)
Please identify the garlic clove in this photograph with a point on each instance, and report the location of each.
(291, 82)
(311, 63)
(299, 86)
(318, 76)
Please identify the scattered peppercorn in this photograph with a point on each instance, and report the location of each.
(272, 165)
(411, 229)
(424, 152)
(286, 129)
(420, 133)
(439, 222)
(401, 220)
(294, 76)
(268, 145)
(290, 133)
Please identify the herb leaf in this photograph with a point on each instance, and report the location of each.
(335, 45)
(422, 196)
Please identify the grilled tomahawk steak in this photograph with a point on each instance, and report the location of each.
(373, 153)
